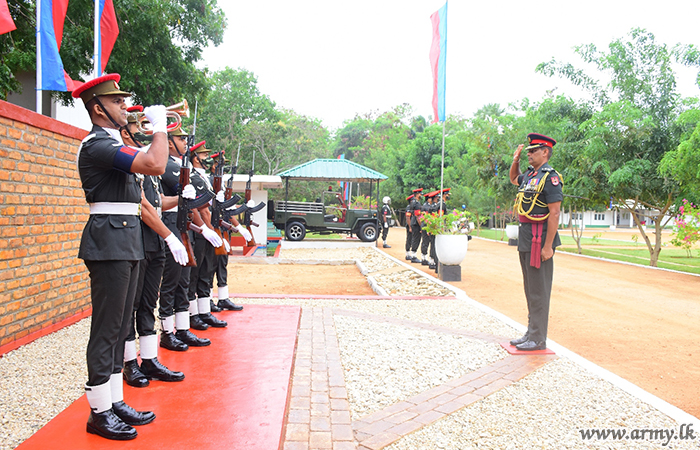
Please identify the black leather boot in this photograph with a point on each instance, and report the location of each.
(190, 339)
(170, 342)
(108, 425)
(133, 375)
(210, 320)
(154, 370)
(130, 416)
(213, 307)
(229, 305)
(197, 324)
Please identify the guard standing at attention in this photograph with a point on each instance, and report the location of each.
(538, 206)
(416, 212)
(111, 245)
(409, 236)
(426, 209)
(155, 237)
(386, 214)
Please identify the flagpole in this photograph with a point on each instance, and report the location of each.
(97, 61)
(442, 167)
(38, 58)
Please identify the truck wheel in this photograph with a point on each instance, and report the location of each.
(368, 232)
(295, 231)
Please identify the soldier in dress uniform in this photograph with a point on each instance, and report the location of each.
(386, 215)
(439, 207)
(416, 212)
(538, 205)
(201, 277)
(426, 209)
(155, 237)
(409, 235)
(112, 246)
(174, 301)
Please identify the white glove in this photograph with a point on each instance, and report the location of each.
(189, 192)
(251, 203)
(177, 249)
(211, 236)
(220, 196)
(227, 246)
(386, 225)
(156, 115)
(245, 233)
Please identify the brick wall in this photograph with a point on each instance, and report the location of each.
(42, 215)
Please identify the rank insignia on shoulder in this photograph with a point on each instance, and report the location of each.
(555, 181)
(547, 169)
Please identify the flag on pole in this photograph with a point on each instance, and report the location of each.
(438, 51)
(106, 33)
(6, 22)
(51, 76)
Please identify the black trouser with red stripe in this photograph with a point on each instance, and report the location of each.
(538, 289)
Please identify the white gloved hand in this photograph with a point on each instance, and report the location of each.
(211, 236)
(156, 115)
(386, 225)
(220, 196)
(177, 249)
(189, 192)
(227, 246)
(245, 233)
(251, 203)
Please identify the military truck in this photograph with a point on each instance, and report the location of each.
(323, 216)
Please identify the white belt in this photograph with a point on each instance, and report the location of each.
(159, 210)
(173, 209)
(117, 208)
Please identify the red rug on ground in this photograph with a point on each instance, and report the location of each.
(514, 351)
(234, 395)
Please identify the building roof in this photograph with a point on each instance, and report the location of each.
(332, 170)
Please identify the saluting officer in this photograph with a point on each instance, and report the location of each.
(111, 245)
(174, 301)
(155, 237)
(538, 205)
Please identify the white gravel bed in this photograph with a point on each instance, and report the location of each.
(408, 282)
(39, 380)
(546, 410)
(452, 313)
(374, 261)
(387, 363)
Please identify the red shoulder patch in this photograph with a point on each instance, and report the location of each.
(555, 181)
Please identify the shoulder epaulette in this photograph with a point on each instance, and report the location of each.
(548, 169)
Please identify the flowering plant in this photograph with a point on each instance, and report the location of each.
(687, 226)
(454, 222)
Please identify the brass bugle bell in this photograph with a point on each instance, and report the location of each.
(174, 113)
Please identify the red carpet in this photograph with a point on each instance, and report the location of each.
(234, 395)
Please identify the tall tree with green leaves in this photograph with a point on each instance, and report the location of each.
(632, 128)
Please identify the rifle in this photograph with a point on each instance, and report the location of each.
(219, 214)
(247, 216)
(185, 206)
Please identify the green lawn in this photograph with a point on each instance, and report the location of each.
(635, 252)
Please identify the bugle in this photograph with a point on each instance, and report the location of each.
(174, 113)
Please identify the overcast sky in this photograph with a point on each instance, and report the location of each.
(334, 59)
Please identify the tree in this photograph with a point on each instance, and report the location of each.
(632, 127)
(17, 48)
(159, 43)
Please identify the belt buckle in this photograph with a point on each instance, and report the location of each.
(139, 210)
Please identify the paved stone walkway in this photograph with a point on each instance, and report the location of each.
(319, 411)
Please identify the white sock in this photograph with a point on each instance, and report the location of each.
(167, 324)
(203, 304)
(149, 346)
(99, 397)
(116, 387)
(129, 350)
(223, 293)
(182, 320)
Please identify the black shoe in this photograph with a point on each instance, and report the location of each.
(132, 374)
(210, 320)
(169, 342)
(520, 340)
(425, 262)
(108, 425)
(408, 258)
(190, 339)
(386, 246)
(228, 304)
(432, 267)
(197, 324)
(529, 346)
(154, 370)
(213, 307)
(415, 260)
(130, 416)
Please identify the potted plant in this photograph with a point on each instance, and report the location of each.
(512, 230)
(451, 232)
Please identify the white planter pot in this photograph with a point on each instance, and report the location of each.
(512, 231)
(451, 248)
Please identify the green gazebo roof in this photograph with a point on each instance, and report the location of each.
(332, 170)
